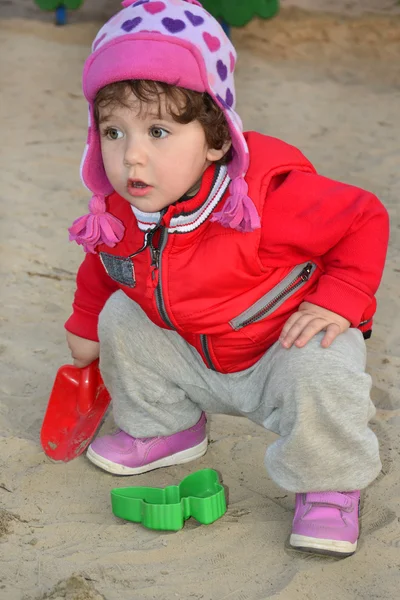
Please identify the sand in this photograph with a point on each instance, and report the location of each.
(327, 83)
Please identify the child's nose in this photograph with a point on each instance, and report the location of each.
(135, 153)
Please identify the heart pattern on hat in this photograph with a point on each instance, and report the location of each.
(135, 4)
(222, 70)
(173, 25)
(195, 26)
(213, 43)
(229, 99)
(131, 24)
(99, 40)
(154, 7)
(195, 20)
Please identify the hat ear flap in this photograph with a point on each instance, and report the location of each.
(93, 174)
(239, 211)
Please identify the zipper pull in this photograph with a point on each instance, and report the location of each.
(145, 244)
(306, 272)
(155, 256)
(154, 252)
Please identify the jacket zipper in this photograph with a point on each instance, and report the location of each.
(156, 255)
(157, 264)
(266, 305)
(206, 351)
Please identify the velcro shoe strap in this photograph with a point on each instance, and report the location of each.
(331, 499)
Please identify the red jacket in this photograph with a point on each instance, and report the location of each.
(229, 293)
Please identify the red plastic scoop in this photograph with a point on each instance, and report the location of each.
(76, 407)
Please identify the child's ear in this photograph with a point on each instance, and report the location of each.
(213, 154)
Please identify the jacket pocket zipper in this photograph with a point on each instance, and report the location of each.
(275, 297)
(206, 351)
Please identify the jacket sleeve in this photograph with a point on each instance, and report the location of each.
(346, 227)
(94, 287)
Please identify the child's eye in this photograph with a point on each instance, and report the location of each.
(112, 133)
(158, 132)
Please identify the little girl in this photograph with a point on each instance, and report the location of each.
(222, 274)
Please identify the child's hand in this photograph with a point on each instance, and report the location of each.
(309, 320)
(83, 351)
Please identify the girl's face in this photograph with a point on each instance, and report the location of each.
(152, 161)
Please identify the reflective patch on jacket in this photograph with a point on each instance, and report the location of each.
(119, 268)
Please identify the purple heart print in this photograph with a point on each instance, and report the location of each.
(97, 42)
(173, 25)
(229, 98)
(222, 70)
(131, 24)
(222, 101)
(195, 20)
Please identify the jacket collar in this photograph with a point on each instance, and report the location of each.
(187, 215)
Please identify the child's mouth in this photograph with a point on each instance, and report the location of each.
(137, 187)
(138, 184)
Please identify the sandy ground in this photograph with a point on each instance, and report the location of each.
(325, 83)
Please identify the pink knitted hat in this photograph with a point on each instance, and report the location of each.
(177, 42)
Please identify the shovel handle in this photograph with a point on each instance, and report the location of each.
(88, 383)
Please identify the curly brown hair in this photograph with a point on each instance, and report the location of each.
(183, 105)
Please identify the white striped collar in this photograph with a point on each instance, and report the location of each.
(186, 222)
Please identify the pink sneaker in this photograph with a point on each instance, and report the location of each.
(326, 522)
(123, 454)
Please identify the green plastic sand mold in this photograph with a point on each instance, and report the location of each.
(199, 495)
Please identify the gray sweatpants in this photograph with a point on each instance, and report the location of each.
(317, 399)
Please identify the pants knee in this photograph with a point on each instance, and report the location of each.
(120, 315)
(314, 365)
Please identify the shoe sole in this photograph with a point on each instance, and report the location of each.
(322, 546)
(178, 458)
